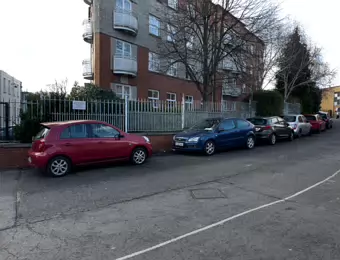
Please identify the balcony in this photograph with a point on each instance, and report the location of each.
(88, 33)
(125, 65)
(229, 65)
(89, 2)
(87, 69)
(231, 91)
(125, 20)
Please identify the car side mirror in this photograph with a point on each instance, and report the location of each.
(307, 121)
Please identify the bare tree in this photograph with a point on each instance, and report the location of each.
(301, 64)
(216, 43)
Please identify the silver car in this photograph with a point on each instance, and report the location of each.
(299, 124)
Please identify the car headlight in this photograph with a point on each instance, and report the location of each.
(193, 139)
(146, 139)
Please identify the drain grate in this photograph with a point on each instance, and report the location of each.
(207, 194)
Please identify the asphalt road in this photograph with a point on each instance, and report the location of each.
(274, 202)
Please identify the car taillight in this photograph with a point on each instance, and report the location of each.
(268, 127)
(40, 146)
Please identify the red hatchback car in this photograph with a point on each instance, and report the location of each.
(61, 145)
(317, 123)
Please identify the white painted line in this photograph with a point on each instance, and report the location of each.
(219, 223)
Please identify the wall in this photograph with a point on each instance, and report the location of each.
(327, 102)
(14, 156)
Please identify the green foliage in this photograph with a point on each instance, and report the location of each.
(269, 103)
(91, 92)
(311, 100)
(28, 128)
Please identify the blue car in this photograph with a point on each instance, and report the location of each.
(215, 134)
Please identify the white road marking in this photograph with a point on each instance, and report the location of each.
(219, 223)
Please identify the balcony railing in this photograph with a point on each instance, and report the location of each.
(231, 91)
(88, 32)
(126, 65)
(87, 69)
(89, 2)
(125, 20)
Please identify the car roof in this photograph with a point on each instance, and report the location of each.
(71, 122)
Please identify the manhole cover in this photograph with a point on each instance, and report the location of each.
(207, 194)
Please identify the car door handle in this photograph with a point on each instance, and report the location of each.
(68, 144)
(100, 142)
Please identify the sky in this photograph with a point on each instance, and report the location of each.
(41, 40)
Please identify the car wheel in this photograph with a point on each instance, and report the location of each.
(272, 139)
(58, 166)
(139, 156)
(291, 136)
(300, 133)
(250, 142)
(209, 148)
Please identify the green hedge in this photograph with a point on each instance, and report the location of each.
(269, 103)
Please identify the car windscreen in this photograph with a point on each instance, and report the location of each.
(310, 118)
(207, 124)
(42, 133)
(258, 121)
(290, 118)
(324, 116)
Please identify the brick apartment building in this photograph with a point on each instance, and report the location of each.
(123, 37)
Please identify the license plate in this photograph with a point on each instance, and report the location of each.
(29, 159)
(257, 129)
(179, 144)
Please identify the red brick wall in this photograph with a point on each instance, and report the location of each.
(16, 156)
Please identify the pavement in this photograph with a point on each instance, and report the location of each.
(273, 202)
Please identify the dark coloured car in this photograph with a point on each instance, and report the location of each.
(328, 120)
(214, 134)
(272, 128)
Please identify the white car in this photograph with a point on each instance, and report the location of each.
(299, 124)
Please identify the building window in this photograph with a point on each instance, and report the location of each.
(244, 88)
(9, 87)
(154, 25)
(154, 62)
(172, 71)
(153, 96)
(228, 105)
(171, 31)
(189, 102)
(252, 48)
(170, 97)
(173, 4)
(4, 85)
(193, 69)
(123, 91)
(123, 49)
(124, 5)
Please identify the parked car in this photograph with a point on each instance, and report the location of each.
(299, 124)
(214, 134)
(61, 145)
(318, 125)
(272, 128)
(328, 120)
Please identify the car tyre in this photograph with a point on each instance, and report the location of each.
(209, 148)
(300, 133)
(250, 142)
(139, 156)
(291, 136)
(272, 139)
(59, 166)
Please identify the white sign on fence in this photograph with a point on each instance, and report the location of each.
(78, 105)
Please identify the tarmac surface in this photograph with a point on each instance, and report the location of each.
(273, 202)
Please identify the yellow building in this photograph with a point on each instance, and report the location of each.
(331, 100)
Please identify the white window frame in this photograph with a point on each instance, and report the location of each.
(154, 100)
(252, 48)
(173, 69)
(121, 52)
(154, 25)
(171, 31)
(122, 95)
(174, 97)
(188, 103)
(154, 62)
(173, 4)
(244, 88)
(123, 6)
